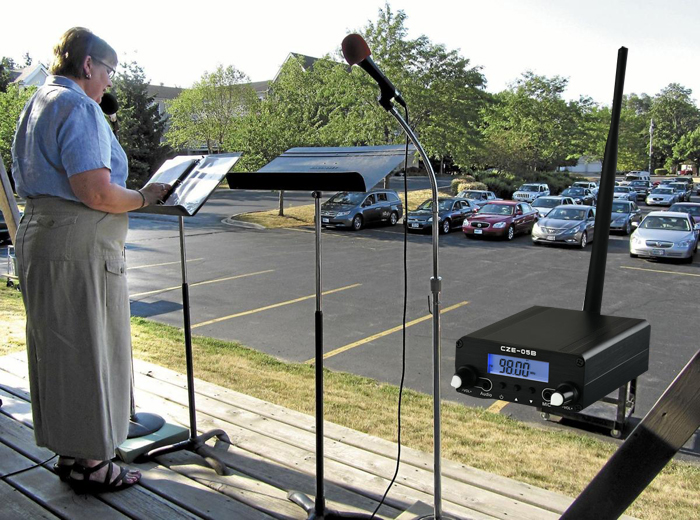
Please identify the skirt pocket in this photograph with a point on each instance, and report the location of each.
(116, 293)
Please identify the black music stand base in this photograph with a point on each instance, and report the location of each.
(198, 446)
(317, 509)
(196, 443)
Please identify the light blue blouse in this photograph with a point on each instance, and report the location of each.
(61, 132)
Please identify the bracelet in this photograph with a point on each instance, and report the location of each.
(143, 199)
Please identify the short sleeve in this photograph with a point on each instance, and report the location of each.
(84, 140)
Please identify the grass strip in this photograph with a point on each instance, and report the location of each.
(560, 461)
(297, 216)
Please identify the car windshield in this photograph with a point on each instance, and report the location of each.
(347, 197)
(568, 214)
(668, 223)
(662, 191)
(473, 195)
(678, 186)
(497, 209)
(581, 185)
(544, 202)
(573, 191)
(639, 183)
(443, 205)
(690, 210)
(620, 207)
(622, 189)
(529, 187)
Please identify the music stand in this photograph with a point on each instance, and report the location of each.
(194, 179)
(317, 170)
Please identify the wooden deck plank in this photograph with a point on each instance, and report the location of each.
(273, 450)
(356, 463)
(549, 500)
(159, 486)
(48, 491)
(302, 459)
(264, 466)
(17, 506)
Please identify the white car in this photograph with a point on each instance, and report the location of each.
(662, 196)
(665, 234)
(529, 192)
(544, 205)
(625, 193)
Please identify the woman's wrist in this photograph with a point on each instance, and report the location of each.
(143, 199)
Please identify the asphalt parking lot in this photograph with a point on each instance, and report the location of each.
(258, 286)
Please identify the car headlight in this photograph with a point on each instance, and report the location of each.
(342, 213)
(635, 239)
(465, 223)
(619, 220)
(684, 243)
(499, 225)
(536, 227)
(430, 219)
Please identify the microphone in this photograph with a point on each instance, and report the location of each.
(356, 52)
(109, 104)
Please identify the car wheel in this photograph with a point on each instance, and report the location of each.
(689, 260)
(628, 228)
(357, 222)
(511, 233)
(393, 218)
(445, 228)
(584, 240)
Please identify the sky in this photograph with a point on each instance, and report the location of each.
(176, 42)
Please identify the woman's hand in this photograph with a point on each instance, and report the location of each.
(154, 193)
(93, 188)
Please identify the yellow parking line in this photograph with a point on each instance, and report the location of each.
(200, 283)
(658, 271)
(164, 263)
(497, 406)
(385, 333)
(273, 306)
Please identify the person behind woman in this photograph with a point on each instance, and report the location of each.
(71, 265)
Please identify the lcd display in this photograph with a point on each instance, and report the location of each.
(518, 367)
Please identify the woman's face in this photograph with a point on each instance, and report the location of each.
(100, 81)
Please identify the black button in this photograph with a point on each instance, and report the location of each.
(532, 390)
(502, 384)
(518, 388)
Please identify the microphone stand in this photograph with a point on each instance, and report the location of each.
(435, 288)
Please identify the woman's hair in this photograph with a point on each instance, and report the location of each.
(75, 44)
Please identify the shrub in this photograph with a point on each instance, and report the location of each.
(471, 186)
(454, 185)
(661, 171)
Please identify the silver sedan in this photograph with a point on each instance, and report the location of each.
(662, 196)
(665, 234)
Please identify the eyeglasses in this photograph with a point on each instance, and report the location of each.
(110, 70)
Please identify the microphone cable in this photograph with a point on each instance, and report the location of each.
(405, 304)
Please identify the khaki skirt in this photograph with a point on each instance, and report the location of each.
(72, 274)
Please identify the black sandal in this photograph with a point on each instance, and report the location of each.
(93, 487)
(63, 470)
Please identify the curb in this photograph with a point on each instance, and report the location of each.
(231, 221)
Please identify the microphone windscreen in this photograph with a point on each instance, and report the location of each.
(109, 104)
(355, 49)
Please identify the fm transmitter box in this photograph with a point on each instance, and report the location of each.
(548, 357)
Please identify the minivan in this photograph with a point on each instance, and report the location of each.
(355, 209)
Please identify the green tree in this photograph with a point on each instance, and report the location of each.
(211, 111)
(444, 92)
(633, 136)
(688, 148)
(6, 66)
(675, 114)
(530, 127)
(139, 125)
(12, 101)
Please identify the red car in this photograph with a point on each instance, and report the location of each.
(503, 218)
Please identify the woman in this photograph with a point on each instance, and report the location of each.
(70, 253)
